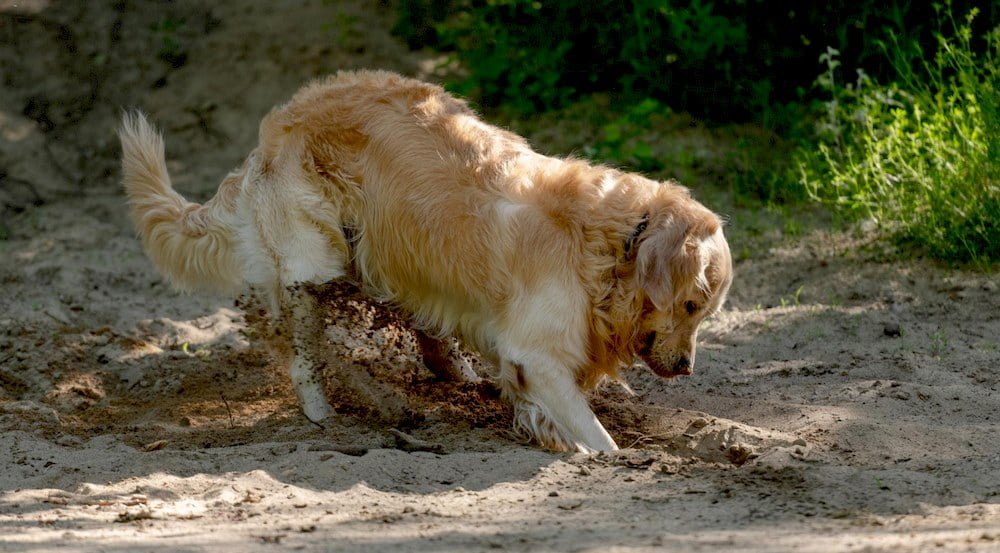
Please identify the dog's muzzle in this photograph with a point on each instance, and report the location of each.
(681, 367)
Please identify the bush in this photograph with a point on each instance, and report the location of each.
(532, 56)
(921, 155)
(721, 60)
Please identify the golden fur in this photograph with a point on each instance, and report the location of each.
(557, 270)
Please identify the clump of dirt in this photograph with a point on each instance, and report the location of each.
(375, 372)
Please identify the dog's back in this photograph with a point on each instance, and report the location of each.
(437, 195)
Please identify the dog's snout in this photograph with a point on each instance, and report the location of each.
(683, 366)
(680, 367)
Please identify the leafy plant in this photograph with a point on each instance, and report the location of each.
(512, 60)
(717, 59)
(939, 343)
(531, 55)
(621, 140)
(921, 155)
(785, 301)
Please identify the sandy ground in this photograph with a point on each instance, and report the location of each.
(842, 402)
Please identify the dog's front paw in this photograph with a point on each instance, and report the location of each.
(531, 422)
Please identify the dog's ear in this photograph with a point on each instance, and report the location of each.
(667, 259)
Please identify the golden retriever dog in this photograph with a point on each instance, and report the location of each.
(558, 271)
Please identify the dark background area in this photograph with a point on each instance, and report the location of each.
(721, 61)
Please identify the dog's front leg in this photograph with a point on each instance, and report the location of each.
(306, 327)
(544, 389)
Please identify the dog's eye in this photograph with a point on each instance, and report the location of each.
(690, 307)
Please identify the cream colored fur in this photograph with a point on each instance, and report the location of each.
(558, 271)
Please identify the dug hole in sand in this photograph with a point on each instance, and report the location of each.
(841, 402)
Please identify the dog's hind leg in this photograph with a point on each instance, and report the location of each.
(443, 358)
(307, 330)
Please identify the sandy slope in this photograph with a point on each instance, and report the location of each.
(135, 419)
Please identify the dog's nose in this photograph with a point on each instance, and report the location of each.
(683, 366)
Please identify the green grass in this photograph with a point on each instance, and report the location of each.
(919, 156)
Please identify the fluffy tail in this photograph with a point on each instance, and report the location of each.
(186, 241)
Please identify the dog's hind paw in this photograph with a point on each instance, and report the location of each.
(318, 411)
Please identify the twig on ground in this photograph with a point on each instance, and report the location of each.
(408, 443)
(645, 437)
(228, 410)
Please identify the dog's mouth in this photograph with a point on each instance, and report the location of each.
(680, 368)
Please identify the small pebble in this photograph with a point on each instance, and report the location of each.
(154, 446)
(553, 493)
(699, 422)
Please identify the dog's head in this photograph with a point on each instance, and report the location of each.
(683, 272)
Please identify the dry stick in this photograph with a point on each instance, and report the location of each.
(647, 437)
(229, 411)
(408, 443)
(63, 322)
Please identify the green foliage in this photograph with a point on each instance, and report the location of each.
(507, 68)
(921, 155)
(531, 55)
(622, 141)
(721, 60)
